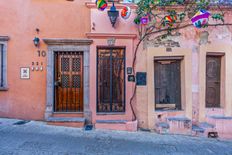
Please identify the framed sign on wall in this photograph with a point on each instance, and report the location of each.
(24, 73)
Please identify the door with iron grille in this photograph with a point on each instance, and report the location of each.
(68, 82)
(111, 80)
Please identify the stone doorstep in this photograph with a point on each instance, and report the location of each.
(178, 118)
(123, 125)
(220, 117)
(206, 125)
(197, 129)
(111, 121)
(77, 122)
(162, 127)
(203, 129)
(66, 119)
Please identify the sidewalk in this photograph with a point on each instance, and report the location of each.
(37, 138)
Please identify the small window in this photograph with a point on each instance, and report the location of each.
(3, 62)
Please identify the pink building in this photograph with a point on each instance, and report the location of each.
(80, 73)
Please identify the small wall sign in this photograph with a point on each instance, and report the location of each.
(129, 70)
(25, 73)
(111, 41)
(131, 78)
(141, 78)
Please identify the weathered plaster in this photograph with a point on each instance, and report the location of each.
(226, 82)
(186, 78)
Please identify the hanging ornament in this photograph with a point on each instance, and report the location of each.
(101, 4)
(126, 12)
(144, 20)
(170, 19)
(201, 18)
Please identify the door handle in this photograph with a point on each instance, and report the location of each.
(58, 83)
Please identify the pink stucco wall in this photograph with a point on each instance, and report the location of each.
(104, 30)
(19, 19)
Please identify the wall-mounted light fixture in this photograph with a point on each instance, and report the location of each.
(36, 40)
(113, 14)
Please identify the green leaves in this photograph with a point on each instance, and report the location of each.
(218, 16)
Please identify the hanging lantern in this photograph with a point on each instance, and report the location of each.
(126, 12)
(144, 20)
(101, 4)
(201, 18)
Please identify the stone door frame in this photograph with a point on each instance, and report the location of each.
(56, 45)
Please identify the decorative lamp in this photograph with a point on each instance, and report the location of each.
(113, 14)
(36, 41)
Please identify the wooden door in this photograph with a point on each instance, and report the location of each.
(213, 83)
(68, 81)
(167, 84)
(111, 80)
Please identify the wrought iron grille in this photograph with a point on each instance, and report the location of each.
(68, 82)
(111, 80)
(1, 65)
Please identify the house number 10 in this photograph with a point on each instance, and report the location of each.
(43, 53)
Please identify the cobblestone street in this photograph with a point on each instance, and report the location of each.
(37, 138)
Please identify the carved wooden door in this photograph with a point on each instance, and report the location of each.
(213, 83)
(68, 82)
(167, 84)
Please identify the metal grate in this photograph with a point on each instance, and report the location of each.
(65, 81)
(64, 64)
(110, 79)
(76, 83)
(76, 64)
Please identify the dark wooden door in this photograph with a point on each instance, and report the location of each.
(213, 83)
(167, 84)
(111, 80)
(68, 81)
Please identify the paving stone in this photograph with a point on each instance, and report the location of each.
(37, 138)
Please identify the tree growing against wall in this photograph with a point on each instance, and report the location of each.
(164, 18)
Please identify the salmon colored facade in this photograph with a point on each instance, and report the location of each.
(26, 99)
(78, 26)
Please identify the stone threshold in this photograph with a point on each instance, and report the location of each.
(65, 119)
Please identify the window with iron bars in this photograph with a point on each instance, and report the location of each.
(1, 65)
(3, 62)
(110, 79)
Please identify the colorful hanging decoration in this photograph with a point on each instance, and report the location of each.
(170, 19)
(144, 20)
(126, 12)
(201, 18)
(101, 4)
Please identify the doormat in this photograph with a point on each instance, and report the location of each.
(21, 122)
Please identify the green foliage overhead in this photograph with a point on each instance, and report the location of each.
(179, 11)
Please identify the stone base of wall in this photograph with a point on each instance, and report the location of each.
(117, 125)
(68, 124)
